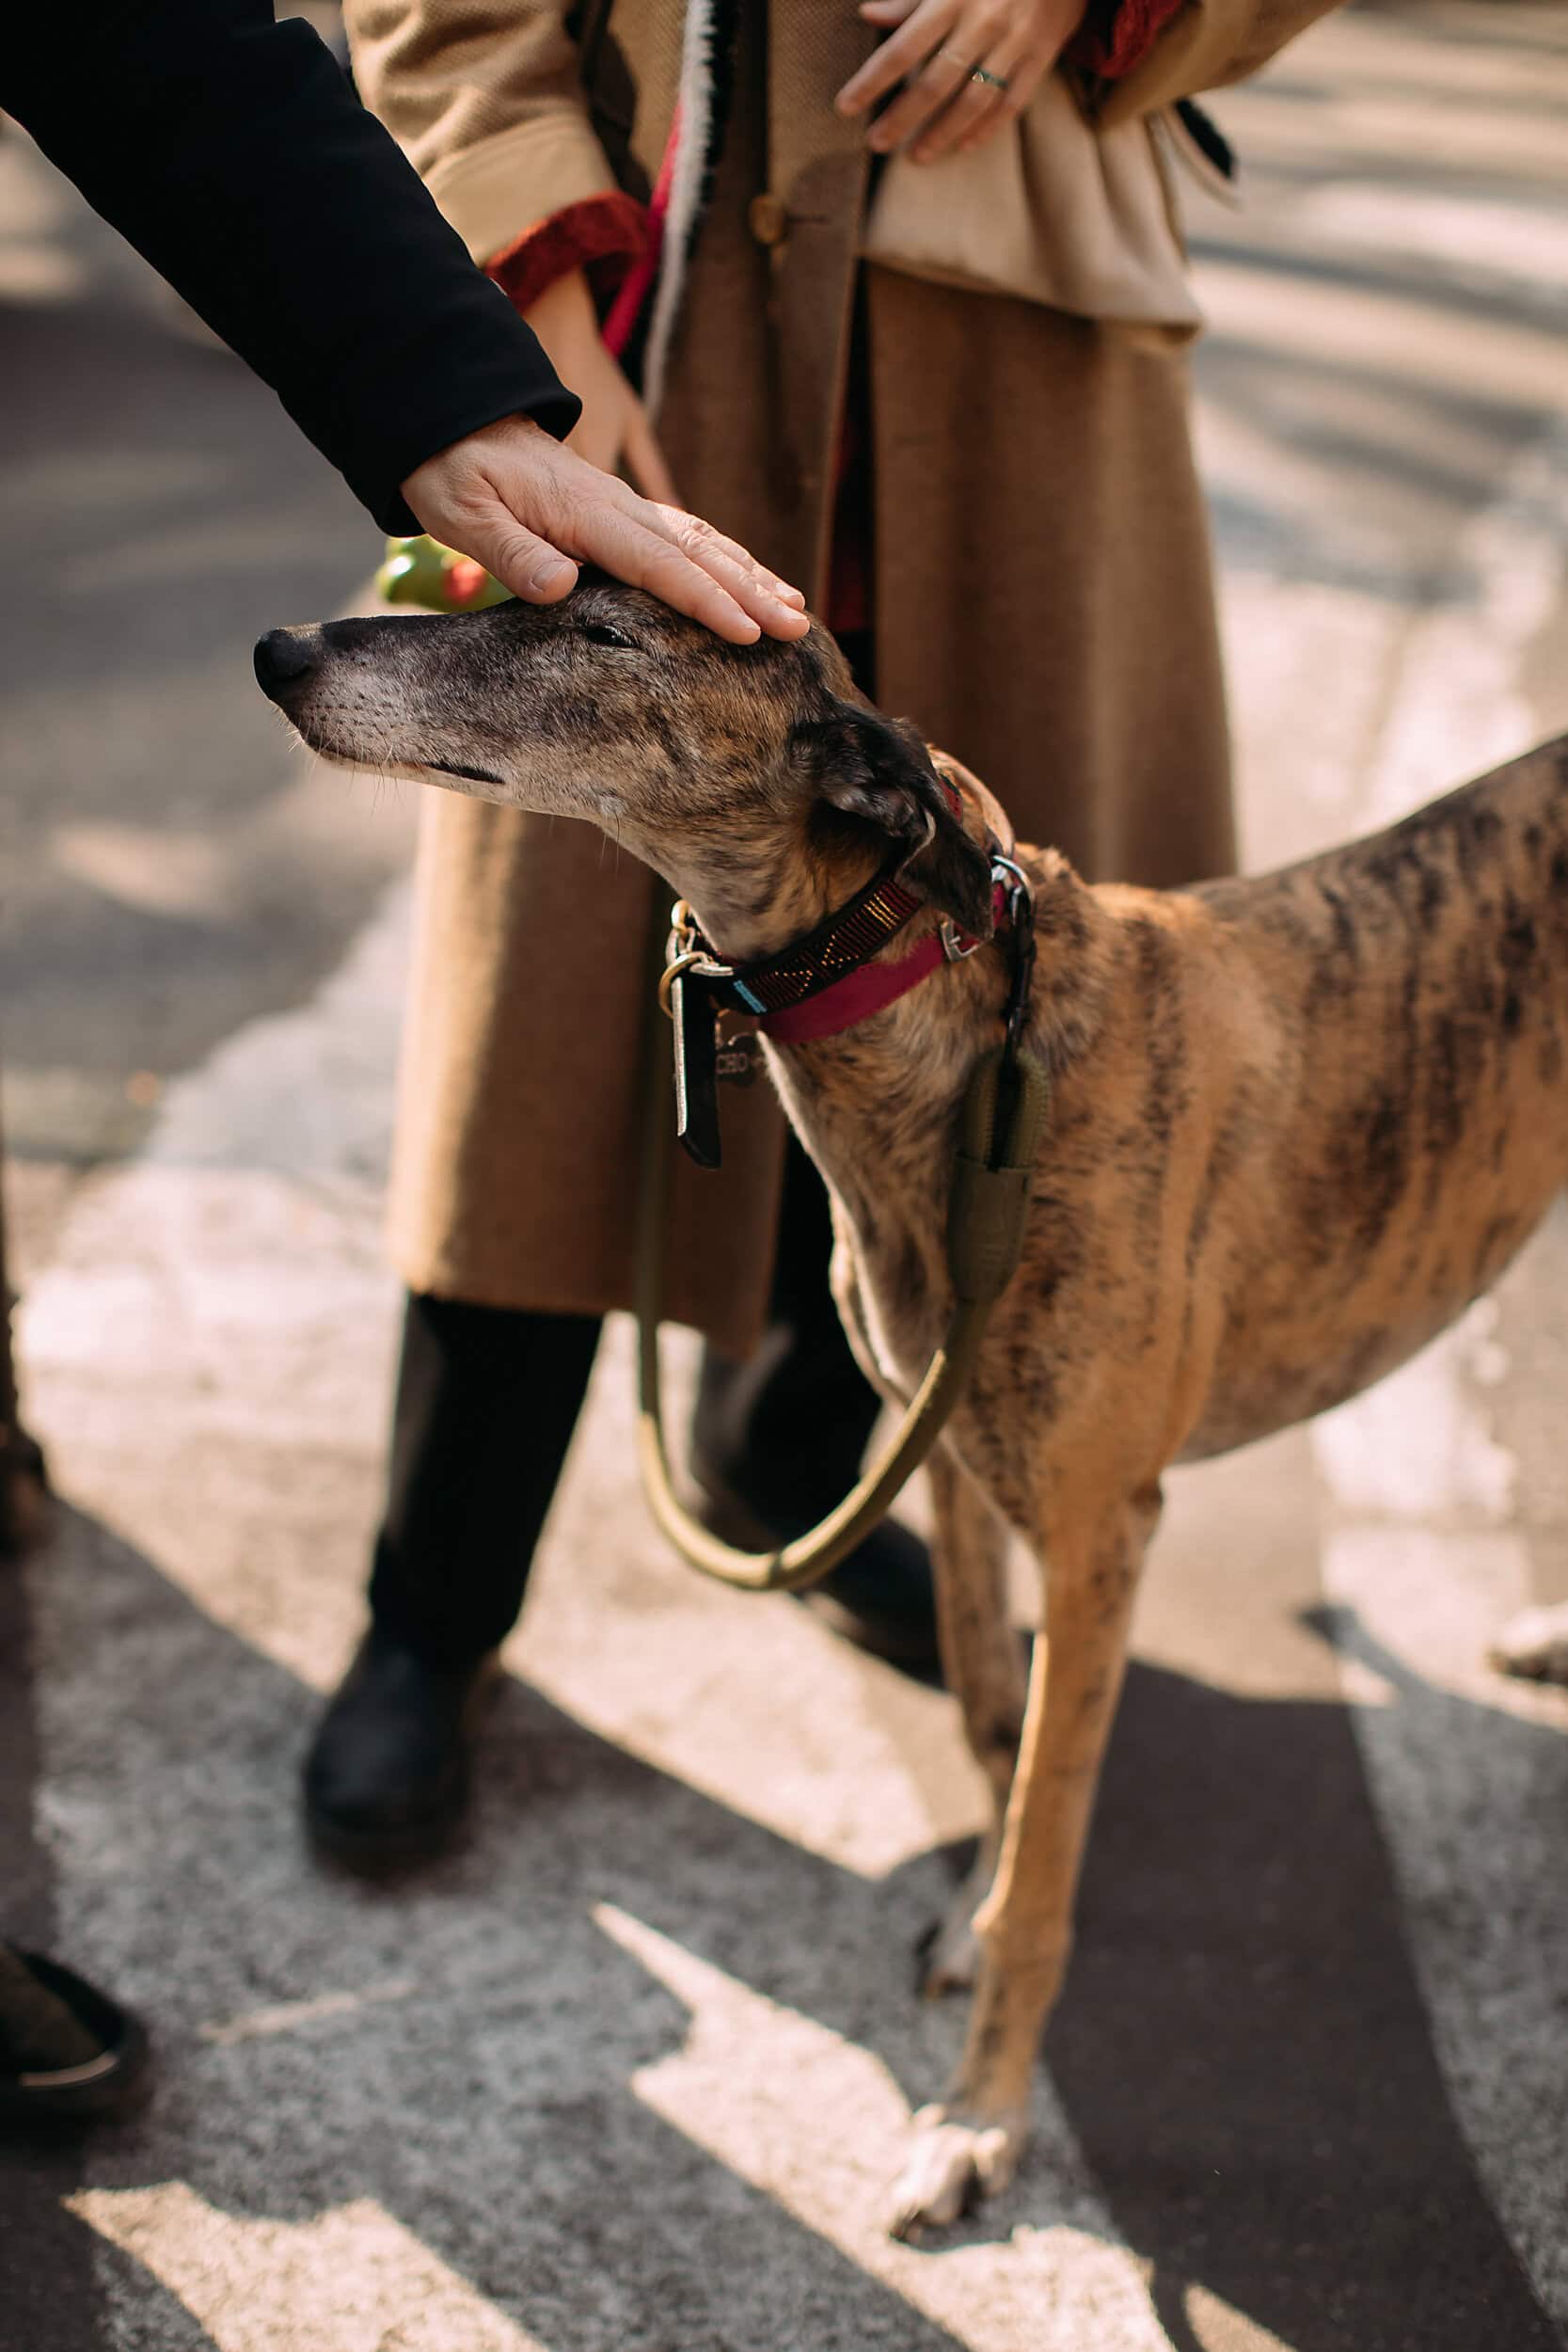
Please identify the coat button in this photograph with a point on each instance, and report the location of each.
(768, 219)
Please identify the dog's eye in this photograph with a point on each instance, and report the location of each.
(605, 633)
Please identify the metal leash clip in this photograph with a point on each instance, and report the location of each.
(682, 954)
(685, 992)
(1019, 911)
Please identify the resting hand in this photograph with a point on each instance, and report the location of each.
(531, 511)
(935, 48)
(614, 430)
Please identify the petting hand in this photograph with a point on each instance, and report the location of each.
(967, 67)
(529, 510)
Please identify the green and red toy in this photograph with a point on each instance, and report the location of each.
(421, 571)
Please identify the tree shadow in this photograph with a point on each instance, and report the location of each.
(490, 2108)
(1243, 2047)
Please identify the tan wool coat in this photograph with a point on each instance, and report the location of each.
(1042, 598)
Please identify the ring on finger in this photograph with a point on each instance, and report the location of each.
(987, 79)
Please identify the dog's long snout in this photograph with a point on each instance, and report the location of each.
(285, 659)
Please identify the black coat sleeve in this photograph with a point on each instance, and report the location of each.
(231, 152)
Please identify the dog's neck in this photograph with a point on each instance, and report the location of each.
(759, 884)
(875, 1104)
(755, 895)
(885, 1092)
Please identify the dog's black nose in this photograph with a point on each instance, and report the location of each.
(285, 657)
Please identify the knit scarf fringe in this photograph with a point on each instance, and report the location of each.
(687, 175)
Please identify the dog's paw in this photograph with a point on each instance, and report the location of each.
(954, 2161)
(1534, 1644)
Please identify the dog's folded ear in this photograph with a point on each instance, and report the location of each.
(877, 772)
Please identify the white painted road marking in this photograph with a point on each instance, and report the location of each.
(818, 2124)
(351, 2281)
(286, 2016)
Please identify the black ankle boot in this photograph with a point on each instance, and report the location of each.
(24, 1491)
(386, 1777)
(880, 1598)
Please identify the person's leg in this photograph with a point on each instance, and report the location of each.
(66, 2051)
(487, 1399)
(785, 1429)
(23, 1509)
(778, 1440)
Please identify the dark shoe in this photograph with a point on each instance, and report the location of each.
(67, 2054)
(880, 1598)
(23, 1492)
(386, 1778)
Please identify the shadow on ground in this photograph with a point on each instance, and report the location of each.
(1241, 2050)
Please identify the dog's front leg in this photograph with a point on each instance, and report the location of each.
(983, 1667)
(968, 2147)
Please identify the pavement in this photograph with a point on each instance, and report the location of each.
(630, 2072)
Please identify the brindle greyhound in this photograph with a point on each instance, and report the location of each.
(1298, 1124)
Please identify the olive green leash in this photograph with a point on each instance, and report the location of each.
(1003, 1118)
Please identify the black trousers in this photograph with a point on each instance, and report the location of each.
(488, 1397)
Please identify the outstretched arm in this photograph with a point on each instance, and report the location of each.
(229, 151)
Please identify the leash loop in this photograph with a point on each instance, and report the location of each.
(1003, 1118)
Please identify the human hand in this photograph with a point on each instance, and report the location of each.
(967, 67)
(529, 510)
(614, 430)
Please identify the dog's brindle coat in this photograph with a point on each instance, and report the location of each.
(1298, 1124)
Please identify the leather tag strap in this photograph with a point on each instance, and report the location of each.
(696, 1019)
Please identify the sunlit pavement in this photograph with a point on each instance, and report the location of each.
(630, 2072)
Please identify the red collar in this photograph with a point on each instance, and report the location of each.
(871, 987)
(829, 981)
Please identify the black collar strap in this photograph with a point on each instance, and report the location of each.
(853, 934)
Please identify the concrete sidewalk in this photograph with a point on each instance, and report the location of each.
(630, 2074)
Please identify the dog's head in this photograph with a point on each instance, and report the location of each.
(752, 777)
